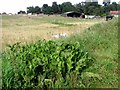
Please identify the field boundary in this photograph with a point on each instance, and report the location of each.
(0, 52)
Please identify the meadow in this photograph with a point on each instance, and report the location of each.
(32, 28)
(87, 58)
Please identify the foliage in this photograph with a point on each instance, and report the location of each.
(79, 8)
(46, 9)
(34, 10)
(55, 8)
(89, 8)
(67, 6)
(45, 64)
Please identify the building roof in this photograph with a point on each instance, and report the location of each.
(115, 12)
(71, 12)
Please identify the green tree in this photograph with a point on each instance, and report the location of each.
(67, 6)
(45, 8)
(30, 10)
(55, 8)
(37, 9)
(113, 6)
(90, 8)
(79, 8)
(118, 7)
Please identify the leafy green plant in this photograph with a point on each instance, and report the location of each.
(45, 64)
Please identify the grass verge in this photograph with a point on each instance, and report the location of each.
(102, 43)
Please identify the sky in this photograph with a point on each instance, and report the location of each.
(14, 6)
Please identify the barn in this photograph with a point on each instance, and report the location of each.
(72, 14)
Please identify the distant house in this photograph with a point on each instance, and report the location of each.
(72, 14)
(115, 13)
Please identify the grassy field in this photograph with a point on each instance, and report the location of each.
(97, 37)
(101, 41)
(32, 28)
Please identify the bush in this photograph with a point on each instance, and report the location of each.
(45, 64)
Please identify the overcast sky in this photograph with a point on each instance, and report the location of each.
(13, 6)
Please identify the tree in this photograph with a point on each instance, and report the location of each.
(91, 10)
(47, 9)
(60, 9)
(33, 10)
(91, 7)
(55, 8)
(79, 8)
(44, 8)
(113, 6)
(37, 10)
(97, 12)
(67, 6)
(118, 7)
(30, 10)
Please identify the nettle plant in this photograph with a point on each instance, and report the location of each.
(45, 64)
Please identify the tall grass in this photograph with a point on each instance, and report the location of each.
(31, 28)
(102, 42)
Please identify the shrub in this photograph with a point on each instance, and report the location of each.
(45, 64)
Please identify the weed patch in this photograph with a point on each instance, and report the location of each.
(45, 64)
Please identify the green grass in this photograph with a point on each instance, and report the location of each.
(9, 21)
(61, 23)
(102, 43)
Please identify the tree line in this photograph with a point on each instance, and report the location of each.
(89, 8)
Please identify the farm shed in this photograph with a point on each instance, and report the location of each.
(72, 14)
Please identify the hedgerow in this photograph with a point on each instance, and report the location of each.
(45, 64)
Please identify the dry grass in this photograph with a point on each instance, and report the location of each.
(31, 28)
